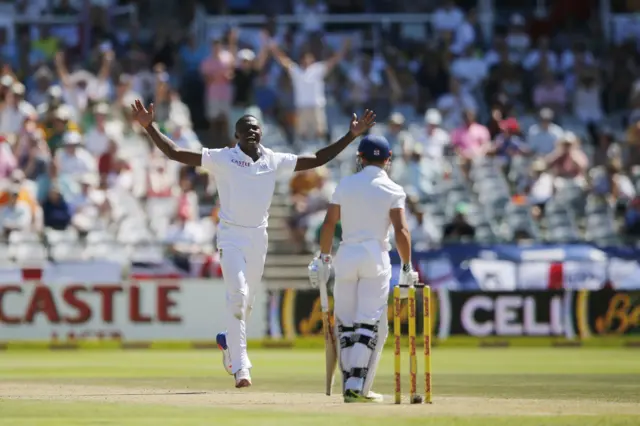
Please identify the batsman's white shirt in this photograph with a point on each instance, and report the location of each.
(362, 265)
(245, 189)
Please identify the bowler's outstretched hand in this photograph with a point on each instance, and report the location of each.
(141, 114)
(360, 126)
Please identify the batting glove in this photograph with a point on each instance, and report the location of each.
(408, 278)
(320, 270)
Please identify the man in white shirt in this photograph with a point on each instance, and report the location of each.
(246, 178)
(16, 215)
(542, 137)
(11, 114)
(470, 69)
(73, 159)
(435, 138)
(309, 90)
(367, 204)
(97, 139)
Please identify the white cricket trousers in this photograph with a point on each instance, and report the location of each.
(242, 255)
(362, 275)
(361, 292)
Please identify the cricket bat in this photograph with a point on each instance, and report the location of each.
(330, 350)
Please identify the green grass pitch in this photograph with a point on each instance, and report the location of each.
(472, 386)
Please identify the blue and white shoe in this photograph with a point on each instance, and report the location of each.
(221, 340)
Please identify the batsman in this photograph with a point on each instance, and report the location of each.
(367, 203)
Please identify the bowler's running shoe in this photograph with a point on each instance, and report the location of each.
(243, 378)
(221, 340)
(355, 396)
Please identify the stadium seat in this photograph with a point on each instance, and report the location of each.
(17, 237)
(161, 206)
(66, 250)
(147, 253)
(5, 253)
(54, 236)
(28, 252)
(484, 234)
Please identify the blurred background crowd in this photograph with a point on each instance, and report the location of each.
(509, 120)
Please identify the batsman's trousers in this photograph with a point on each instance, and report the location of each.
(362, 275)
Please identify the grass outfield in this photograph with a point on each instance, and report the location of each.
(523, 386)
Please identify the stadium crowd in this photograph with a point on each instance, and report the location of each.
(523, 136)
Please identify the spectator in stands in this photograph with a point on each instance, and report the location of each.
(122, 176)
(309, 90)
(538, 187)
(61, 123)
(614, 184)
(399, 139)
(508, 143)
(18, 181)
(56, 211)
(435, 140)
(469, 69)
(416, 172)
(459, 228)
(160, 181)
(587, 100)
(52, 177)
(188, 204)
(468, 34)
(518, 40)
(550, 93)
(8, 160)
(309, 204)
(633, 142)
(42, 81)
(631, 226)
(511, 90)
(543, 136)
(607, 148)
(16, 215)
(244, 84)
(162, 98)
(285, 106)
(568, 161)
(424, 234)
(82, 85)
(73, 159)
(182, 238)
(542, 54)
(26, 109)
(91, 209)
(96, 138)
(453, 104)
(577, 56)
(217, 71)
(33, 160)
(12, 113)
(362, 81)
(470, 141)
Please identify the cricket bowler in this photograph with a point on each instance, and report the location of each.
(367, 203)
(246, 178)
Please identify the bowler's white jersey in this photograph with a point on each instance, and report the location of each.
(365, 199)
(246, 187)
